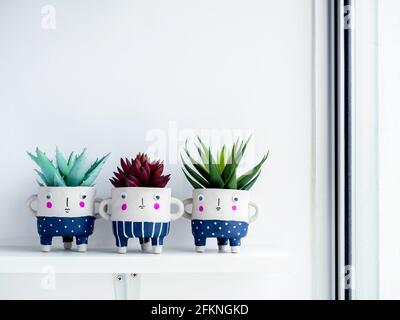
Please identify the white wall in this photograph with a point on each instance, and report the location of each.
(366, 123)
(112, 73)
(389, 153)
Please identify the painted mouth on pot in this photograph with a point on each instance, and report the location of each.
(67, 210)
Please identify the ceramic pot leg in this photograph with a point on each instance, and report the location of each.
(67, 242)
(235, 245)
(235, 249)
(82, 242)
(122, 244)
(82, 247)
(157, 244)
(45, 248)
(157, 249)
(200, 244)
(45, 242)
(145, 244)
(222, 244)
(122, 250)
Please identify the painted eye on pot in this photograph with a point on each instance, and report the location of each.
(123, 195)
(200, 197)
(48, 195)
(235, 198)
(83, 196)
(157, 197)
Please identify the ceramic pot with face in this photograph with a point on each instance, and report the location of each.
(223, 214)
(65, 212)
(140, 212)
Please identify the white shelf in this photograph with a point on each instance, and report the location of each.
(255, 259)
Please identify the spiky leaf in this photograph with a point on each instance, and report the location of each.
(197, 177)
(42, 176)
(47, 167)
(198, 166)
(249, 175)
(221, 159)
(94, 171)
(215, 177)
(192, 182)
(251, 183)
(77, 174)
(62, 163)
(232, 183)
(71, 160)
(58, 181)
(230, 167)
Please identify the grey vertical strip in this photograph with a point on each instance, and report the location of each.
(348, 146)
(343, 12)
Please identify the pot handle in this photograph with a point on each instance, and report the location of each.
(31, 199)
(253, 217)
(181, 209)
(187, 214)
(97, 200)
(103, 208)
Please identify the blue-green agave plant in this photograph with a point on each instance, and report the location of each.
(71, 172)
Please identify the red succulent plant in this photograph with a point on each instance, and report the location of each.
(140, 172)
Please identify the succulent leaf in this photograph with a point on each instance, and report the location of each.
(42, 176)
(66, 173)
(62, 163)
(45, 165)
(215, 177)
(231, 166)
(140, 172)
(194, 184)
(195, 175)
(71, 160)
(92, 174)
(232, 183)
(198, 166)
(221, 159)
(220, 171)
(251, 183)
(249, 175)
(58, 181)
(77, 174)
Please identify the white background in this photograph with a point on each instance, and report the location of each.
(113, 72)
(389, 151)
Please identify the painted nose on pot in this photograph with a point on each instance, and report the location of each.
(142, 204)
(219, 204)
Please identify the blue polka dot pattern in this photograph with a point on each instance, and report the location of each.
(225, 231)
(156, 231)
(80, 228)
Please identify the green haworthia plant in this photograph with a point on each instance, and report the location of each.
(71, 172)
(220, 170)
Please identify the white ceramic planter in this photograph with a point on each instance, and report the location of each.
(65, 212)
(143, 213)
(220, 213)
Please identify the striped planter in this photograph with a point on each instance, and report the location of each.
(143, 213)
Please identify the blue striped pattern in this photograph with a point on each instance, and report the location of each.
(156, 231)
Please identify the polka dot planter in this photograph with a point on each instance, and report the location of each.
(140, 212)
(66, 212)
(222, 214)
